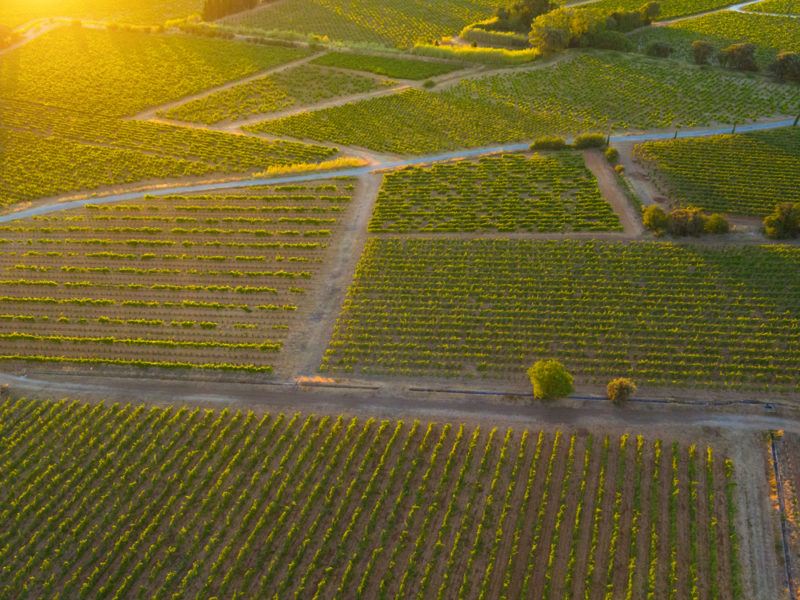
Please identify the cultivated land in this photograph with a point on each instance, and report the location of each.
(545, 193)
(740, 174)
(155, 12)
(395, 310)
(391, 22)
(584, 92)
(669, 8)
(348, 507)
(780, 7)
(214, 281)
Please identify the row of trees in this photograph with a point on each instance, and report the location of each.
(683, 221)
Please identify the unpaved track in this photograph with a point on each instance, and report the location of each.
(309, 343)
(613, 192)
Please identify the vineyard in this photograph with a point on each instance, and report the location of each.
(742, 174)
(778, 7)
(121, 73)
(787, 447)
(127, 501)
(388, 66)
(49, 151)
(669, 8)
(545, 193)
(205, 281)
(300, 86)
(592, 91)
(769, 34)
(665, 314)
(388, 22)
(17, 12)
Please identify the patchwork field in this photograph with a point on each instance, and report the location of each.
(300, 86)
(203, 281)
(596, 91)
(121, 73)
(49, 151)
(552, 192)
(389, 22)
(336, 507)
(769, 34)
(669, 8)
(388, 66)
(742, 174)
(153, 12)
(662, 313)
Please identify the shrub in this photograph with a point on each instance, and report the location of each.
(550, 380)
(784, 222)
(612, 155)
(686, 221)
(620, 169)
(590, 140)
(606, 39)
(786, 67)
(655, 219)
(739, 56)
(717, 224)
(658, 50)
(620, 390)
(429, 84)
(702, 51)
(549, 142)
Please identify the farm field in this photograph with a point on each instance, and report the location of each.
(543, 192)
(589, 91)
(779, 7)
(49, 151)
(119, 73)
(387, 22)
(669, 8)
(347, 507)
(388, 66)
(212, 281)
(665, 314)
(769, 34)
(744, 174)
(151, 12)
(300, 86)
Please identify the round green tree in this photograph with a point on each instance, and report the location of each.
(550, 380)
(620, 390)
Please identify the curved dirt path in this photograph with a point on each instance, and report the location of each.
(60, 205)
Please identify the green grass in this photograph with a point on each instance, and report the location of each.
(769, 34)
(669, 8)
(545, 193)
(742, 174)
(121, 73)
(389, 22)
(300, 86)
(780, 7)
(398, 68)
(594, 91)
(664, 314)
(152, 12)
(47, 152)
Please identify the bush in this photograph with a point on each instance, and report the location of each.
(716, 224)
(658, 50)
(429, 84)
(550, 380)
(620, 390)
(590, 140)
(612, 155)
(549, 142)
(655, 219)
(784, 222)
(686, 221)
(702, 51)
(786, 67)
(608, 40)
(739, 56)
